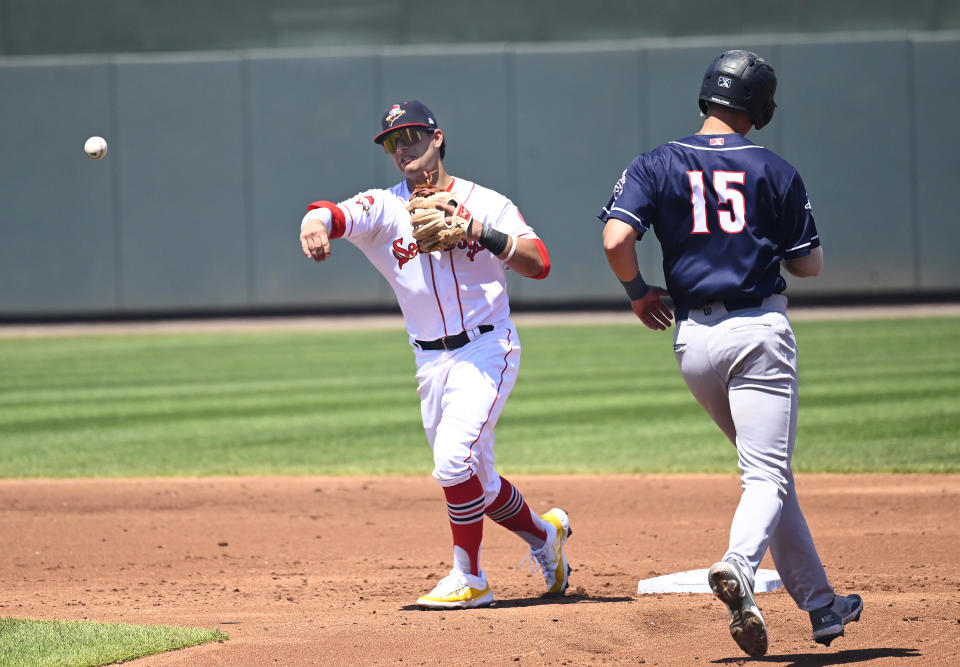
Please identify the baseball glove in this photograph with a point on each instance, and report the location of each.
(431, 229)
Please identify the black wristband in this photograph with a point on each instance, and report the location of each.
(636, 288)
(493, 240)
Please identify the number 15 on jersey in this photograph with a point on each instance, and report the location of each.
(733, 219)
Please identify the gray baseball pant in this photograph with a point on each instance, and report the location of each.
(742, 368)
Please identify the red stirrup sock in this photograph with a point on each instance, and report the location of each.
(511, 511)
(465, 509)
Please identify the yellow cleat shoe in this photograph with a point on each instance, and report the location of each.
(550, 557)
(458, 590)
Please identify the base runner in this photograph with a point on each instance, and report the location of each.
(728, 214)
(445, 259)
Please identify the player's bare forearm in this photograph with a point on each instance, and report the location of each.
(527, 260)
(522, 255)
(808, 266)
(620, 245)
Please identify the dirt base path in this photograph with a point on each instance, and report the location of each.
(326, 570)
(350, 322)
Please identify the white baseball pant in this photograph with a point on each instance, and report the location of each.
(462, 393)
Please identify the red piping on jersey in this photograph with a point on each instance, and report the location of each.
(436, 294)
(339, 224)
(456, 287)
(544, 257)
(456, 282)
(351, 219)
(472, 187)
(499, 385)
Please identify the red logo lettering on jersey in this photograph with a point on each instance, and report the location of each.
(405, 253)
(716, 141)
(402, 254)
(473, 247)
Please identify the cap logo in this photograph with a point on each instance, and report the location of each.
(394, 113)
(725, 82)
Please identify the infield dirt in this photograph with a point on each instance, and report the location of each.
(326, 570)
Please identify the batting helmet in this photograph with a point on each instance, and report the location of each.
(741, 80)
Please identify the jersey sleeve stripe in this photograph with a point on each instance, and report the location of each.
(351, 221)
(623, 210)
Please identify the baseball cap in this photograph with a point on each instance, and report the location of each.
(405, 114)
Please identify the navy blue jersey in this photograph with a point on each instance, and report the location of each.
(725, 211)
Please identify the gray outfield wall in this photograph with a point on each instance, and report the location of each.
(214, 157)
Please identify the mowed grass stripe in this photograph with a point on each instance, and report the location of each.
(188, 404)
(879, 395)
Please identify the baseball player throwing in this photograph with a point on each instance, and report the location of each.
(729, 214)
(443, 244)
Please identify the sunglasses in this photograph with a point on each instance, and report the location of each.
(407, 135)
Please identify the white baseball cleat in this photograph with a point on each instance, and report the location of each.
(550, 557)
(746, 622)
(458, 590)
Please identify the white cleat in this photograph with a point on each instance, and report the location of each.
(550, 557)
(458, 590)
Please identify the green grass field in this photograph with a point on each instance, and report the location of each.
(82, 643)
(876, 395)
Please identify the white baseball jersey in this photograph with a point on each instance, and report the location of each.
(462, 391)
(440, 293)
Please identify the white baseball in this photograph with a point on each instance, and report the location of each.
(95, 147)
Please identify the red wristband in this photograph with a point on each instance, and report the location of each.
(339, 224)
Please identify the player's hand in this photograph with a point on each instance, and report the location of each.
(314, 241)
(450, 215)
(651, 309)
